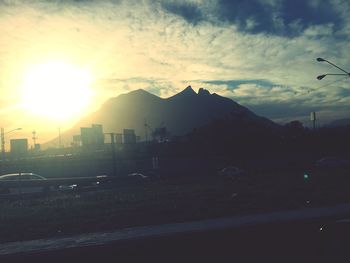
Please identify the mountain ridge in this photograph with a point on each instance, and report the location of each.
(180, 113)
(339, 123)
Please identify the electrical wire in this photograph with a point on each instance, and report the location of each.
(328, 84)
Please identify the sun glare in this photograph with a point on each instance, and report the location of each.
(56, 90)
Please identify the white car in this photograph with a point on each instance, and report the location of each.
(20, 183)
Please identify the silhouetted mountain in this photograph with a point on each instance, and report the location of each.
(339, 123)
(180, 114)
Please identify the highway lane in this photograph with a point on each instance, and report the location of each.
(303, 235)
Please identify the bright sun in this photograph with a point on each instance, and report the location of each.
(56, 90)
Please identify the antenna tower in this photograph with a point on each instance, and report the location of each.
(34, 138)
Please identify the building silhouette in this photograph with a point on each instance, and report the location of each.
(92, 137)
(119, 138)
(19, 147)
(129, 136)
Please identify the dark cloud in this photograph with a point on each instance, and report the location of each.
(286, 18)
(189, 11)
(240, 11)
(307, 14)
(344, 92)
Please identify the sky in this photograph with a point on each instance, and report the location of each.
(260, 53)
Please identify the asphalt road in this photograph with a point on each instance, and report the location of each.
(306, 235)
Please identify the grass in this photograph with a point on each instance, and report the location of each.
(166, 201)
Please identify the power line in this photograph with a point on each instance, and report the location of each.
(335, 81)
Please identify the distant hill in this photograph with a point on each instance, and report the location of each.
(180, 114)
(339, 123)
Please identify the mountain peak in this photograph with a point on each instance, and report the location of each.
(186, 93)
(203, 92)
(140, 92)
(188, 90)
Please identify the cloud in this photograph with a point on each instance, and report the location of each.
(261, 54)
(188, 10)
(277, 17)
(233, 84)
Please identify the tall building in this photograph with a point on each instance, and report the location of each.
(92, 137)
(19, 147)
(76, 140)
(129, 136)
(119, 138)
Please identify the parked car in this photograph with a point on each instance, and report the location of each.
(17, 183)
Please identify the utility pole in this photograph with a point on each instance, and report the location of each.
(3, 143)
(146, 131)
(313, 119)
(113, 152)
(34, 139)
(59, 138)
(3, 140)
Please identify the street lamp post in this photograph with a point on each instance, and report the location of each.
(3, 140)
(113, 152)
(320, 77)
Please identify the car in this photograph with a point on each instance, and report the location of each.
(231, 172)
(68, 187)
(138, 175)
(21, 176)
(22, 183)
(101, 179)
(332, 163)
(29, 183)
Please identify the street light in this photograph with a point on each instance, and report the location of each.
(17, 129)
(3, 139)
(112, 134)
(320, 77)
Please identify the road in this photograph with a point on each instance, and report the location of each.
(304, 235)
